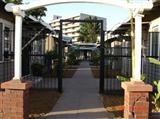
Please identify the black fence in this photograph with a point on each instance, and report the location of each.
(6, 70)
(34, 58)
(42, 71)
(118, 62)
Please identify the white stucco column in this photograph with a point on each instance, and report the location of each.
(18, 48)
(138, 42)
(19, 14)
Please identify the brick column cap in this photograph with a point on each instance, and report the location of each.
(16, 84)
(136, 86)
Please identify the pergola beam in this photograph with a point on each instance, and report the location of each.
(122, 4)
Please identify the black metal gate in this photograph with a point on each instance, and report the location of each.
(39, 65)
(39, 60)
(60, 53)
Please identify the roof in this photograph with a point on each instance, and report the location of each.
(4, 14)
(118, 38)
(149, 15)
(153, 13)
(125, 27)
(85, 46)
(67, 39)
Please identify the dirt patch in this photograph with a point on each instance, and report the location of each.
(108, 73)
(69, 72)
(42, 102)
(95, 71)
(114, 104)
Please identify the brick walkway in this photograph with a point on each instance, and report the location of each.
(80, 99)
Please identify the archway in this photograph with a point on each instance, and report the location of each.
(19, 11)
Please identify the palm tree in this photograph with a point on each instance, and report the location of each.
(89, 31)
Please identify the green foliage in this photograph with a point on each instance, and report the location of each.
(154, 61)
(89, 31)
(72, 57)
(122, 78)
(156, 96)
(14, 1)
(51, 54)
(95, 57)
(37, 69)
(38, 13)
(143, 77)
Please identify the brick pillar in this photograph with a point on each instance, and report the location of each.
(136, 100)
(1, 98)
(15, 99)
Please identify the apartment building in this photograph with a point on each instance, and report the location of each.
(71, 29)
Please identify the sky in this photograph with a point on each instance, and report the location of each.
(114, 15)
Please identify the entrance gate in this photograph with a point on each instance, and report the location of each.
(23, 87)
(19, 11)
(60, 56)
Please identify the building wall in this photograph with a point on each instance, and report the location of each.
(155, 24)
(152, 71)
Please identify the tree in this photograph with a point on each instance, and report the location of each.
(14, 1)
(38, 13)
(89, 31)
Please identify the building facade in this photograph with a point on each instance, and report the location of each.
(71, 29)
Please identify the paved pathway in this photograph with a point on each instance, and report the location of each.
(80, 99)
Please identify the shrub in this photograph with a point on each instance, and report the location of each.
(95, 57)
(73, 57)
(37, 69)
(156, 97)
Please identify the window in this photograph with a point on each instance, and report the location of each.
(155, 42)
(7, 43)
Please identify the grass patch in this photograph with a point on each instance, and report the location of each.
(114, 104)
(42, 102)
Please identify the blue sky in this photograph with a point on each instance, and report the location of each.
(114, 15)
